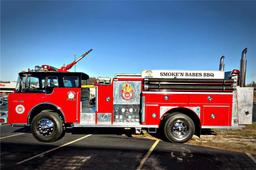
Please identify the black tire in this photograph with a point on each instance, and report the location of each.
(178, 128)
(47, 127)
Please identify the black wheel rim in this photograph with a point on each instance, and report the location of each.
(45, 127)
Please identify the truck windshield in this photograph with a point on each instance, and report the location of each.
(17, 88)
(30, 83)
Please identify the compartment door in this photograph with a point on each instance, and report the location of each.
(127, 101)
(216, 116)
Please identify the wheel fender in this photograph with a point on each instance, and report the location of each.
(192, 112)
(44, 106)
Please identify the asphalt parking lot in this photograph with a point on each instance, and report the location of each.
(20, 150)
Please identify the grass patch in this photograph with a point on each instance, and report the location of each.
(240, 140)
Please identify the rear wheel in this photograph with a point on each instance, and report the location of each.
(47, 127)
(178, 128)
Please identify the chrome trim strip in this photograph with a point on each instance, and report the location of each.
(121, 75)
(152, 92)
(116, 126)
(151, 104)
(234, 109)
(97, 98)
(19, 125)
(222, 127)
(143, 109)
(195, 109)
(216, 106)
(164, 109)
(77, 108)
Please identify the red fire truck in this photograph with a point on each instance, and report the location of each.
(177, 103)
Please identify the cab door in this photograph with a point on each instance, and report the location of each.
(28, 95)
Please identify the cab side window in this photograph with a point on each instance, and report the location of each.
(33, 83)
(52, 81)
(71, 81)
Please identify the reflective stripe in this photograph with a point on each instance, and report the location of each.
(88, 86)
(221, 127)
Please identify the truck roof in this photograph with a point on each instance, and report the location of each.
(53, 73)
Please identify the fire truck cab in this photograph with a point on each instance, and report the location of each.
(177, 103)
(43, 92)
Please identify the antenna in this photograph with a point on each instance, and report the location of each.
(74, 60)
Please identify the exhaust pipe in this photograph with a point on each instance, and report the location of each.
(243, 65)
(221, 66)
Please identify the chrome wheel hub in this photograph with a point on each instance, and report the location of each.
(180, 129)
(45, 127)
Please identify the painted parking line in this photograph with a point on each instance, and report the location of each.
(51, 150)
(251, 157)
(148, 154)
(18, 134)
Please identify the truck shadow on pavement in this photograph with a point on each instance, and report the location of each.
(115, 131)
(115, 154)
(23, 130)
(112, 131)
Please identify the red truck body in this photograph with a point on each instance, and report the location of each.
(173, 102)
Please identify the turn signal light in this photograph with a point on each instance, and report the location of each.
(235, 72)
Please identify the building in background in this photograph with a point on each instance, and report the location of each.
(7, 87)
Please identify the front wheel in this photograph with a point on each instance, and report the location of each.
(178, 128)
(47, 127)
